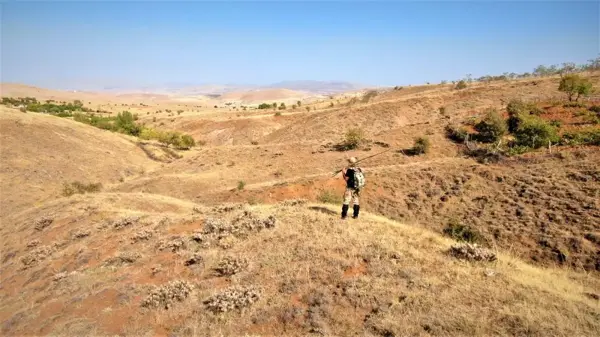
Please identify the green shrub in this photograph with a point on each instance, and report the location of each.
(329, 197)
(595, 108)
(461, 85)
(585, 137)
(574, 105)
(456, 133)
(517, 149)
(491, 128)
(462, 233)
(556, 123)
(278, 113)
(186, 142)
(534, 132)
(241, 185)
(352, 139)
(421, 146)
(515, 107)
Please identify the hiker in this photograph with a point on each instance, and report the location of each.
(354, 182)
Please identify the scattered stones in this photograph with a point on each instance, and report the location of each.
(231, 265)
(42, 223)
(174, 244)
(142, 235)
(233, 298)
(125, 222)
(81, 233)
(165, 296)
(37, 255)
(472, 252)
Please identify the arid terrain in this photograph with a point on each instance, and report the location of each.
(240, 234)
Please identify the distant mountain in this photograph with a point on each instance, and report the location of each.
(318, 87)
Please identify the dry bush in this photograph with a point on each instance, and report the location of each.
(175, 243)
(231, 265)
(81, 233)
(42, 223)
(228, 207)
(195, 259)
(472, 252)
(166, 295)
(37, 255)
(123, 258)
(233, 298)
(142, 235)
(77, 187)
(125, 222)
(240, 227)
(33, 243)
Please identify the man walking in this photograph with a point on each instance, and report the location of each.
(354, 181)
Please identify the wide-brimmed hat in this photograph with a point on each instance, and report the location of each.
(352, 160)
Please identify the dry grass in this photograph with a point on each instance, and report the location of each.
(311, 273)
(293, 268)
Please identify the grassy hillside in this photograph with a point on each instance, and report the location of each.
(140, 264)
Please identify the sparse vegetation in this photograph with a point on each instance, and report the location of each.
(461, 232)
(583, 137)
(167, 295)
(471, 252)
(241, 184)
(461, 85)
(329, 197)
(77, 187)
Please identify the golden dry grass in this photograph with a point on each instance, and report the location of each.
(89, 270)
(373, 276)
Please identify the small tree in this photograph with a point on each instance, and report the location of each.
(575, 86)
(307, 108)
(299, 103)
(492, 127)
(282, 106)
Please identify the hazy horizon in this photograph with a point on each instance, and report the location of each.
(99, 44)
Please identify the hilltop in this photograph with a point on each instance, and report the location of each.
(98, 208)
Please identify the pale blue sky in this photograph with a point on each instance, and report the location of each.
(70, 44)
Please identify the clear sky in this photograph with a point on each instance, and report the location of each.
(67, 44)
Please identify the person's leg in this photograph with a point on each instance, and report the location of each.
(355, 202)
(347, 198)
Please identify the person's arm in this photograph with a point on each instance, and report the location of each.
(344, 173)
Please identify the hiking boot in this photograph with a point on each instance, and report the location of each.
(344, 211)
(356, 210)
